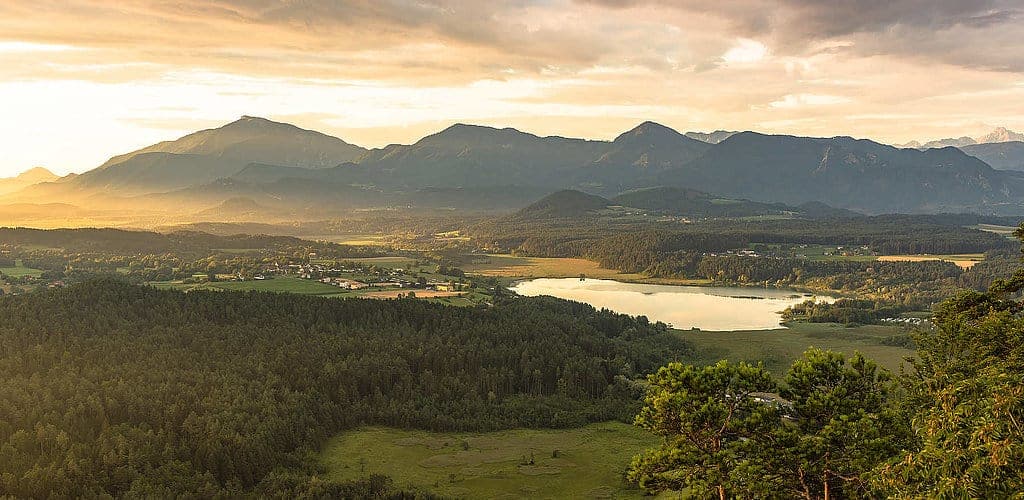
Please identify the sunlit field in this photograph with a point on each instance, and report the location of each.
(588, 462)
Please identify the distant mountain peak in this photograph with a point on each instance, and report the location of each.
(1000, 134)
(37, 174)
(258, 123)
(27, 178)
(650, 129)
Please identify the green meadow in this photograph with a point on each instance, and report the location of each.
(566, 463)
(777, 349)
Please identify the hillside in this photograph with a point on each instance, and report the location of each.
(1000, 155)
(642, 151)
(845, 173)
(25, 179)
(238, 208)
(208, 155)
(712, 137)
(471, 155)
(254, 139)
(565, 203)
(681, 201)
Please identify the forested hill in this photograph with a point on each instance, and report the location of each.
(247, 381)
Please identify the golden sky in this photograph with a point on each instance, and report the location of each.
(83, 80)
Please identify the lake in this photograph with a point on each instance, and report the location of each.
(683, 307)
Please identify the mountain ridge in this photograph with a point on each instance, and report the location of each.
(999, 134)
(845, 172)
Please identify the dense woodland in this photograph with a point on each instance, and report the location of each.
(885, 234)
(110, 388)
(839, 427)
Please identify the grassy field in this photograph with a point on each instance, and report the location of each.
(511, 266)
(778, 348)
(1003, 230)
(19, 271)
(385, 261)
(289, 284)
(963, 260)
(589, 462)
(821, 252)
(279, 284)
(348, 239)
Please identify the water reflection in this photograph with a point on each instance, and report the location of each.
(684, 307)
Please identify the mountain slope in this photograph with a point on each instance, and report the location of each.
(1001, 134)
(681, 201)
(157, 172)
(207, 155)
(711, 137)
(565, 203)
(284, 167)
(843, 172)
(1000, 155)
(252, 139)
(652, 146)
(470, 155)
(25, 179)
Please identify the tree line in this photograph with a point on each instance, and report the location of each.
(114, 389)
(840, 427)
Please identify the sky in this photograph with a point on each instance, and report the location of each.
(83, 80)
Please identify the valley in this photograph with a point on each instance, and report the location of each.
(443, 249)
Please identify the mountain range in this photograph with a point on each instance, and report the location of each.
(267, 166)
(1000, 134)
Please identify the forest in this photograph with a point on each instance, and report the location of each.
(115, 389)
(840, 427)
(885, 234)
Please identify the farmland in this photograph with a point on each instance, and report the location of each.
(965, 261)
(511, 266)
(20, 271)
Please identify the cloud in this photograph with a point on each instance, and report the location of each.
(382, 71)
(976, 33)
(804, 100)
(745, 51)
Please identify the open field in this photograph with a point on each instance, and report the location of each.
(288, 284)
(965, 261)
(992, 228)
(349, 239)
(279, 284)
(778, 348)
(420, 294)
(510, 266)
(385, 261)
(589, 463)
(20, 271)
(830, 252)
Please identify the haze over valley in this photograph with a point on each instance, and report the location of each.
(258, 169)
(549, 249)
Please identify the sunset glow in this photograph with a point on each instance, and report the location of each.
(82, 80)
